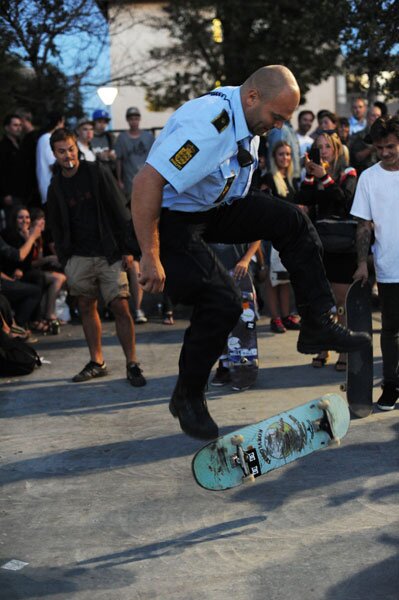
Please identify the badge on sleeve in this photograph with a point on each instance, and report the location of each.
(184, 155)
(221, 121)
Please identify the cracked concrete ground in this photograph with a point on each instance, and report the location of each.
(98, 498)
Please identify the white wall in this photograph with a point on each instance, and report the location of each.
(322, 96)
(131, 40)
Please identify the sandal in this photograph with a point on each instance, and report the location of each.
(20, 336)
(340, 365)
(318, 362)
(18, 330)
(40, 327)
(168, 319)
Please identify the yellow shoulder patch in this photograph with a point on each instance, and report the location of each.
(184, 155)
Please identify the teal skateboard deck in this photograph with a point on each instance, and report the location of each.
(242, 343)
(254, 450)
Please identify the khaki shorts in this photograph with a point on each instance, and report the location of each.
(87, 275)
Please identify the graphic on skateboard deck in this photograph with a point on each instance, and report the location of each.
(254, 450)
(242, 343)
(359, 372)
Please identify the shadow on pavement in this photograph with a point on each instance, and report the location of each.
(97, 396)
(99, 458)
(379, 581)
(321, 470)
(178, 544)
(54, 581)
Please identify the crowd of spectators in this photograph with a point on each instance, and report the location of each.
(317, 166)
(32, 278)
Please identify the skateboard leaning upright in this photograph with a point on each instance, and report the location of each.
(359, 372)
(254, 450)
(242, 343)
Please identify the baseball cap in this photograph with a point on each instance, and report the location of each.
(132, 111)
(101, 114)
(84, 121)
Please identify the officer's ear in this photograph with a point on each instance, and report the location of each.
(252, 97)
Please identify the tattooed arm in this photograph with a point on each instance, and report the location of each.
(363, 238)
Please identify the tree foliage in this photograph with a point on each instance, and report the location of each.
(310, 38)
(299, 34)
(32, 54)
(370, 43)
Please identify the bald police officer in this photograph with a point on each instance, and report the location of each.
(194, 189)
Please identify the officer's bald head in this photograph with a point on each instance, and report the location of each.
(271, 81)
(269, 97)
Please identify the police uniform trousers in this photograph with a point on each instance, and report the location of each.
(195, 276)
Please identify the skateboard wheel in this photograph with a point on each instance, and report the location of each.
(237, 440)
(335, 442)
(323, 404)
(249, 479)
(342, 387)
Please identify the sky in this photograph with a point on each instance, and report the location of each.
(71, 63)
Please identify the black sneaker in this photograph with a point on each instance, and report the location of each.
(389, 396)
(188, 404)
(90, 371)
(323, 333)
(276, 325)
(221, 377)
(291, 322)
(135, 375)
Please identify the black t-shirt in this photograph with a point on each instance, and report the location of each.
(83, 217)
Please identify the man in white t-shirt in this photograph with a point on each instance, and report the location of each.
(44, 155)
(376, 206)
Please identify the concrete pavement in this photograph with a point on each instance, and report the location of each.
(98, 498)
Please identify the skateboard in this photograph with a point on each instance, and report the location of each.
(359, 372)
(242, 343)
(254, 450)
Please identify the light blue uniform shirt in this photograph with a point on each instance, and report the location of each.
(196, 152)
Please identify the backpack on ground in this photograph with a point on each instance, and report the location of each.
(16, 357)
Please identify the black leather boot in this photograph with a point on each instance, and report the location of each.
(323, 333)
(188, 404)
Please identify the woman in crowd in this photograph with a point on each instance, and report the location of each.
(329, 187)
(330, 123)
(51, 268)
(16, 236)
(279, 182)
(36, 268)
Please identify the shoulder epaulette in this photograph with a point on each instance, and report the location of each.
(221, 121)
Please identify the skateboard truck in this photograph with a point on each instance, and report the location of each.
(324, 424)
(240, 459)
